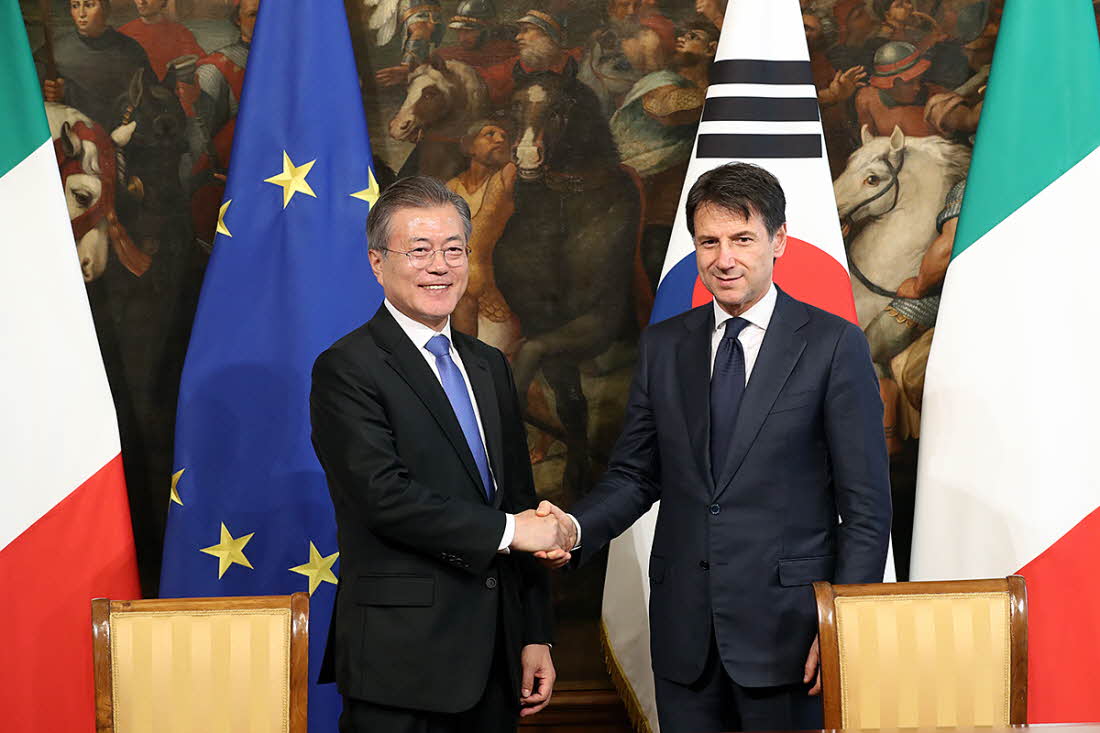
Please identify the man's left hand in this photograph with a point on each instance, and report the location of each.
(813, 668)
(538, 678)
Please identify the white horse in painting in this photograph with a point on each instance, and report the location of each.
(88, 157)
(897, 186)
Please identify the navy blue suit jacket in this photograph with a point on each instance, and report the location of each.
(739, 556)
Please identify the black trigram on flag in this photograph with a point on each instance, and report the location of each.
(767, 77)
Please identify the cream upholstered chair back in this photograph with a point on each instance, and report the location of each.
(924, 655)
(201, 664)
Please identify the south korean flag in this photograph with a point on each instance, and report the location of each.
(762, 108)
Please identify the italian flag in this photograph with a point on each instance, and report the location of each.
(1007, 479)
(65, 533)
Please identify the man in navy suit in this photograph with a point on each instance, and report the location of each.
(756, 421)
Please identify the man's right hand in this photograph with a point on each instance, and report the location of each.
(844, 85)
(554, 559)
(53, 90)
(536, 533)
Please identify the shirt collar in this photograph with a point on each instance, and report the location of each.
(760, 315)
(417, 332)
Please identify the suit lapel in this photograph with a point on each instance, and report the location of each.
(405, 359)
(780, 351)
(477, 369)
(693, 359)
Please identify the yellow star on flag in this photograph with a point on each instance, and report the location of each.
(175, 494)
(371, 192)
(222, 228)
(292, 179)
(229, 551)
(318, 568)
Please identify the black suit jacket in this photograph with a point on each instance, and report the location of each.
(739, 556)
(422, 587)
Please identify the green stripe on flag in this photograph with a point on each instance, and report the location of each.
(23, 127)
(1042, 110)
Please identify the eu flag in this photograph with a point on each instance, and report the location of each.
(250, 512)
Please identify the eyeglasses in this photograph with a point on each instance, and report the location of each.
(421, 257)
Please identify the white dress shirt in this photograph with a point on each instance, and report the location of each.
(420, 335)
(750, 338)
(752, 335)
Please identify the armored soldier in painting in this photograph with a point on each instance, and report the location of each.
(474, 24)
(220, 80)
(422, 22)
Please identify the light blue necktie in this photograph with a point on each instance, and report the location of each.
(455, 387)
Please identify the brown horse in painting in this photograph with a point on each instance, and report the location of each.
(565, 263)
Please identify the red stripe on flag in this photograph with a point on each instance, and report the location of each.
(81, 549)
(1063, 598)
(700, 294)
(813, 276)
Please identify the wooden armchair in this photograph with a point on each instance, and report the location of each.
(201, 664)
(924, 655)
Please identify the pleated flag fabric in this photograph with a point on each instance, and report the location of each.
(251, 512)
(1006, 481)
(65, 534)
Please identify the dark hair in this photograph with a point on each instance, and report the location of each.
(414, 192)
(743, 188)
(881, 7)
(501, 121)
(703, 26)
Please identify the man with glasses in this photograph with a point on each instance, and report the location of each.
(442, 619)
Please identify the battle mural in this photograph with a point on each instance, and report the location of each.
(567, 126)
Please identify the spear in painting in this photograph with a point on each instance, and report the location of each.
(45, 13)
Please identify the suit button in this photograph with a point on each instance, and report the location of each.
(715, 509)
(490, 583)
(704, 565)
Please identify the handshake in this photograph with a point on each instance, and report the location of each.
(547, 532)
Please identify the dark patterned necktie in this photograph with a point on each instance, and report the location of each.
(455, 387)
(727, 386)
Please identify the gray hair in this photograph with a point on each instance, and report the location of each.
(414, 192)
(824, 15)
